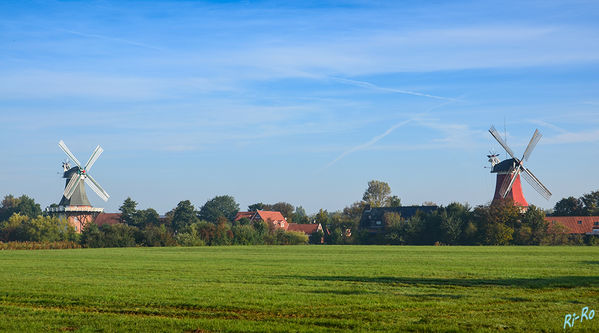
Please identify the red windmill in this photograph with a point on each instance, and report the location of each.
(508, 172)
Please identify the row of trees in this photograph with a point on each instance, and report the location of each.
(586, 205)
(21, 219)
(221, 208)
(46, 229)
(196, 234)
(457, 224)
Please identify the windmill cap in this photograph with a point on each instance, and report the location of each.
(504, 166)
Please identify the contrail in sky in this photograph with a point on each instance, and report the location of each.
(393, 90)
(384, 134)
(369, 143)
(130, 42)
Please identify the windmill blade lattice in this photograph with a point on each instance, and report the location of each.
(64, 148)
(518, 167)
(536, 184)
(72, 186)
(497, 137)
(531, 145)
(96, 188)
(93, 158)
(82, 173)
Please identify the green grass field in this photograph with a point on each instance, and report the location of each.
(299, 288)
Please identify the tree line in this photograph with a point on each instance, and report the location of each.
(22, 220)
(586, 205)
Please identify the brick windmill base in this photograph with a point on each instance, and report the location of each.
(515, 194)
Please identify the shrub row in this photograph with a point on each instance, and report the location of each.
(39, 245)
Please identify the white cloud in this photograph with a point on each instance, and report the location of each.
(372, 52)
(38, 84)
(587, 136)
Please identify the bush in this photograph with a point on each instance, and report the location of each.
(119, 235)
(157, 236)
(222, 234)
(39, 229)
(196, 234)
(91, 236)
(246, 235)
(294, 238)
(316, 237)
(39, 245)
(189, 239)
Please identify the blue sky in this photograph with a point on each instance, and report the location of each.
(303, 102)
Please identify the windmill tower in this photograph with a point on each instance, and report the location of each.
(74, 205)
(508, 172)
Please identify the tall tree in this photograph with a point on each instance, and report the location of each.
(533, 228)
(322, 217)
(219, 206)
(377, 193)
(147, 217)
(354, 211)
(394, 201)
(285, 208)
(300, 216)
(256, 206)
(395, 233)
(27, 206)
(454, 219)
(569, 206)
(23, 205)
(497, 222)
(128, 211)
(591, 203)
(183, 215)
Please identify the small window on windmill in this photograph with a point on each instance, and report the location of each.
(596, 223)
(379, 222)
(579, 222)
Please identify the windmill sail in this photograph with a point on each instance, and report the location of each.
(68, 152)
(79, 173)
(497, 137)
(510, 174)
(531, 145)
(93, 158)
(96, 188)
(536, 184)
(72, 186)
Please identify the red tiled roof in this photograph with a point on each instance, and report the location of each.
(266, 215)
(241, 215)
(587, 223)
(108, 218)
(308, 229)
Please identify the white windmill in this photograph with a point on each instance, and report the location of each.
(75, 205)
(78, 174)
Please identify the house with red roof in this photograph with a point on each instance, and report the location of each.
(272, 217)
(108, 218)
(308, 229)
(278, 221)
(577, 225)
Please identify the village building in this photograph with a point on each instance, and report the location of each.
(277, 220)
(274, 218)
(577, 225)
(108, 218)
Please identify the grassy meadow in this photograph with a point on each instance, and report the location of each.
(298, 288)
